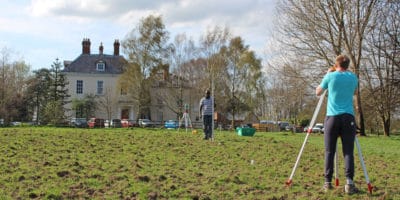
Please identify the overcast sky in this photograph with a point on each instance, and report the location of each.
(39, 31)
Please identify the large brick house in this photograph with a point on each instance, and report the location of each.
(98, 73)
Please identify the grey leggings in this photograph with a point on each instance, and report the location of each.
(342, 126)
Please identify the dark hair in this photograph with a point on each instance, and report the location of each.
(343, 61)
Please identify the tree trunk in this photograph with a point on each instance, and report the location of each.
(233, 117)
(359, 114)
(386, 126)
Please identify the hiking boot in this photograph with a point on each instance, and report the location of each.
(350, 189)
(327, 186)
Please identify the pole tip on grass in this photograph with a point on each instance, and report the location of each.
(370, 187)
(289, 182)
(337, 182)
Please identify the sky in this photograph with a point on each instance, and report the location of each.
(40, 31)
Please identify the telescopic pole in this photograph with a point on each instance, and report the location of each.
(336, 169)
(212, 106)
(370, 187)
(309, 131)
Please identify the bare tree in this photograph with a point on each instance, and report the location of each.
(13, 76)
(242, 73)
(320, 30)
(107, 102)
(288, 93)
(382, 73)
(193, 75)
(211, 43)
(177, 87)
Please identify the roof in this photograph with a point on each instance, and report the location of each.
(86, 63)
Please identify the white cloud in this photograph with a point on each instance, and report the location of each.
(71, 8)
(90, 8)
(236, 13)
(63, 23)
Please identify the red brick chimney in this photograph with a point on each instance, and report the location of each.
(101, 48)
(86, 46)
(116, 48)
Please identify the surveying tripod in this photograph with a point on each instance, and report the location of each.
(186, 119)
(309, 131)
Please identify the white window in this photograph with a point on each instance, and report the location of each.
(100, 66)
(79, 86)
(100, 85)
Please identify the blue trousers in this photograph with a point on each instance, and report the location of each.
(207, 126)
(342, 126)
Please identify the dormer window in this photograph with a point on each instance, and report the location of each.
(100, 66)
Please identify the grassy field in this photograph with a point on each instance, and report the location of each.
(67, 163)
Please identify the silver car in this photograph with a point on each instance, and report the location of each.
(145, 123)
(318, 128)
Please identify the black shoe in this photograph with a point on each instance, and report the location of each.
(350, 189)
(327, 186)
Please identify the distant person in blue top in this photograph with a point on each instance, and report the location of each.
(339, 122)
(206, 112)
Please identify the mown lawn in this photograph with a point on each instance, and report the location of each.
(67, 163)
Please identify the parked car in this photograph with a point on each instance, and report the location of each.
(282, 125)
(96, 123)
(115, 123)
(106, 124)
(146, 123)
(171, 124)
(267, 122)
(318, 128)
(128, 123)
(289, 127)
(78, 123)
(16, 123)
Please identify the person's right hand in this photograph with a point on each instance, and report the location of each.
(331, 69)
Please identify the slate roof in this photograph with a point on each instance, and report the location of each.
(86, 63)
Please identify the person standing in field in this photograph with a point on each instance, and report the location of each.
(206, 112)
(339, 121)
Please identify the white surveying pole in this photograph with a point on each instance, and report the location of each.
(212, 108)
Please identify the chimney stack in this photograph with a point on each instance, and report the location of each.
(101, 48)
(116, 48)
(86, 46)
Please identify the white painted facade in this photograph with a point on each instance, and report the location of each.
(120, 106)
(85, 70)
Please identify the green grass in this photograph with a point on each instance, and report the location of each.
(64, 163)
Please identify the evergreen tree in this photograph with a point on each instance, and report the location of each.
(38, 94)
(47, 94)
